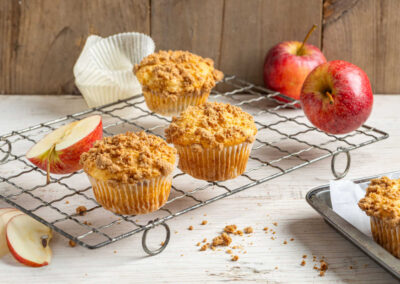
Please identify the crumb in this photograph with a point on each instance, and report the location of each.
(229, 251)
(351, 267)
(190, 228)
(234, 258)
(204, 222)
(230, 229)
(235, 247)
(162, 243)
(222, 240)
(176, 232)
(259, 204)
(304, 256)
(204, 240)
(203, 248)
(365, 265)
(115, 251)
(81, 210)
(273, 232)
(248, 230)
(87, 223)
(213, 248)
(285, 242)
(71, 243)
(303, 262)
(265, 229)
(239, 232)
(275, 224)
(276, 267)
(198, 244)
(315, 267)
(66, 202)
(205, 214)
(181, 254)
(322, 273)
(291, 239)
(272, 238)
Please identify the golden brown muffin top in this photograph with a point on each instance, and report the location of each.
(176, 73)
(129, 158)
(382, 200)
(211, 125)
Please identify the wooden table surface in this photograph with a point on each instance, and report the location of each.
(280, 200)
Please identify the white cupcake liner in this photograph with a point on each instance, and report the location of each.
(387, 236)
(132, 199)
(214, 164)
(104, 70)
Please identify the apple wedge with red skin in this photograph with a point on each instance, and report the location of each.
(59, 152)
(28, 241)
(5, 215)
(337, 97)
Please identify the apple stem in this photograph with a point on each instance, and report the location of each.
(300, 51)
(329, 95)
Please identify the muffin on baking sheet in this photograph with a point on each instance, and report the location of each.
(382, 204)
(130, 173)
(173, 80)
(213, 140)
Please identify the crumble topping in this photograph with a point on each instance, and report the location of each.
(211, 125)
(382, 200)
(129, 158)
(176, 73)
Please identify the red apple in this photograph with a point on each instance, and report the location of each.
(287, 65)
(59, 152)
(337, 97)
(28, 240)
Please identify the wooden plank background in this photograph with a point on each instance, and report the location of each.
(41, 40)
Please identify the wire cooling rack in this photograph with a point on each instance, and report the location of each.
(285, 142)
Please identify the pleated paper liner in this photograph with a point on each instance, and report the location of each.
(214, 164)
(104, 70)
(386, 235)
(132, 199)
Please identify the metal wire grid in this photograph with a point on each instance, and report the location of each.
(285, 142)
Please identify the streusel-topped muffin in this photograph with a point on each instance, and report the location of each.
(382, 204)
(214, 140)
(173, 80)
(130, 173)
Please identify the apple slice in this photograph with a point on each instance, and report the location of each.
(28, 241)
(5, 215)
(59, 151)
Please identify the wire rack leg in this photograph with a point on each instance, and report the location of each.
(339, 175)
(164, 244)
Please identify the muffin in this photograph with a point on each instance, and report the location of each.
(382, 204)
(173, 80)
(130, 173)
(213, 140)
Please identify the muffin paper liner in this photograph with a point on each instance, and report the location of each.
(104, 70)
(387, 236)
(214, 164)
(132, 199)
(170, 106)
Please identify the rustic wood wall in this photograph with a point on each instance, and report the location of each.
(40, 40)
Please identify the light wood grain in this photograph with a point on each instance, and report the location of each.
(41, 40)
(366, 34)
(251, 28)
(280, 200)
(188, 25)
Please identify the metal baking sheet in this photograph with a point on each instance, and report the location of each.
(319, 199)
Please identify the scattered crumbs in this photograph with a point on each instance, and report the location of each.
(275, 224)
(273, 232)
(315, 267)
(204, 222)
(81, 210)
(285, 242)
(162, 243)
(234, 258)
(265, 229)
(190, 228)
(291, 239)
(66, 202)
(205, 214)
(181, 254)
(303, 262)
(251, 243)
(276, 267)
(322, 273)
(239, 232)
(198, 244)
(304, 256)
(229, 251)
(244, 252)
(230, 229)
(213, 248)
(259, 204)
(176, 232)
(87, 223)
(351, 267)
(235, 247)
(205, 240)
(272, 238)
(203, 248)
(71, 243)
(248, 230)
(222, 240)
(115, 251)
